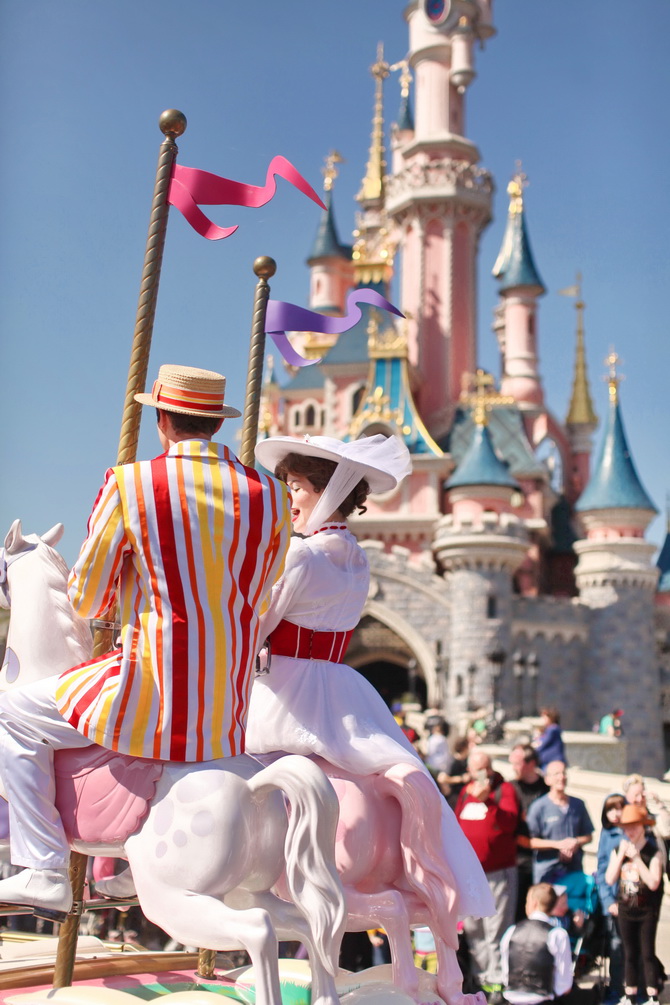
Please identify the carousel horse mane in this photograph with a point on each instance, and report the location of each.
(33, 578)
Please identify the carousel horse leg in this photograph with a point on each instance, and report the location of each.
(450, 978)
(185, 915)
(289, 923)
(390, 912)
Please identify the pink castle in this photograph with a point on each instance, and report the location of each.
(504, 568)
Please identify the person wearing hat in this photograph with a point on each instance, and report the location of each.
(186, 547)
(637, 866)
(311, 702)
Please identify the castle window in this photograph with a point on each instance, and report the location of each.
(297, 418)
(491, 606)
(310, 416)
(357, 398)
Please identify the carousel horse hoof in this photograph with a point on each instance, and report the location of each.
(47, 891)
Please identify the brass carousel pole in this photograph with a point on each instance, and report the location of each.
(265, 268)
(172, 124)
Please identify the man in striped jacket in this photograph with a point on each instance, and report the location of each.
(186, 547)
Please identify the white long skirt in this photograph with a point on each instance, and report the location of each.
(329, 709)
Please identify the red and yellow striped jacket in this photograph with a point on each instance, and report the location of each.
(189, 544)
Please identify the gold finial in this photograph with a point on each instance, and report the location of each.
(484, 397)
(581, 411)
(373, 183)
(405, 76)
(613, 378)
(518, 183)
(329, 171)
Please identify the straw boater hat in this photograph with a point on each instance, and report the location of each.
(190, 391)
(636, 815)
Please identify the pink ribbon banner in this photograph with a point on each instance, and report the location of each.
(191, 188)
(282, 317)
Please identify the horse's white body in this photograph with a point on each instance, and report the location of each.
(216, 839)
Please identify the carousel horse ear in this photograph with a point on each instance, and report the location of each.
(15, 539)
(53, 536)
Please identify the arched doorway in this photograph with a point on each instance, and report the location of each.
(393, 681)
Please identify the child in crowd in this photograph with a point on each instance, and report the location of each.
(536, 955)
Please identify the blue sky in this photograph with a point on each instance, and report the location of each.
(577, 91)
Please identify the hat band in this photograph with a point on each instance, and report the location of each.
(179, 397)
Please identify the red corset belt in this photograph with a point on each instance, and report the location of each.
(303, 643)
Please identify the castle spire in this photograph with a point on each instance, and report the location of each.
(327, 242)
(481, 465)
(372, 188)
(581, 411)
(515, 265)
(615, 483)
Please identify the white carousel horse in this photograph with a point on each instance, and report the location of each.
(215, 839)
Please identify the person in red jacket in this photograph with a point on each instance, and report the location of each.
(488, 811)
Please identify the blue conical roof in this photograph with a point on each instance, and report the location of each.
(663, 564)
(515, 265)
(614, 483)
(481, 465)
(327, 243)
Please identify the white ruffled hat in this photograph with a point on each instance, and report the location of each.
(382, 460)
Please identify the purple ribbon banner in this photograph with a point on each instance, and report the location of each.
(282, 317)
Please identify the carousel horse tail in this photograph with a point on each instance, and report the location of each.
(424, 859)
(311, 875)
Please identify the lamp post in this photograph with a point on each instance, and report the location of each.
(497, 659)
(518, 668)
(472, 673)
(533, 664)
(411, 677)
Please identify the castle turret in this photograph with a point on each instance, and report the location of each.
(581, 420)
(479, 545)
(520, 287)
(617, 581)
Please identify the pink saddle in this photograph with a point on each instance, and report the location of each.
(103, 796)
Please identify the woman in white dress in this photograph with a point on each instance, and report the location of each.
(310, 702)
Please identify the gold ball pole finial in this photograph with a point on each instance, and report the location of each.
(172, 122)
(264, 267)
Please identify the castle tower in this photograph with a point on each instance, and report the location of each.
(331, 273)
(520, 287)
(479, 545)
(581, 420)
(617, 582)
(440, 201)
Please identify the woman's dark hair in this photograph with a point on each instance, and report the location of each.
(191, 424)
(551, 713)
(319, 471)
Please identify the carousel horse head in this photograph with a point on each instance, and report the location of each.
(45, 635)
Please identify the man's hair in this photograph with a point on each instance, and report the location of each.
(319, 471)
(191, 424)
(544, 896)
(461, 744)
(529, 753)
(551, 713)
